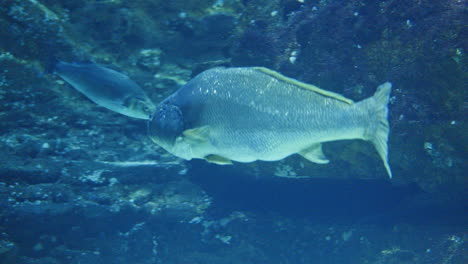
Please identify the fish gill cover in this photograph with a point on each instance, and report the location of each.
(81, 184)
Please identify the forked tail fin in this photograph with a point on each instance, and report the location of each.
(378, 130)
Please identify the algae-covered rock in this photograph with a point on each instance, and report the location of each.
(80, 184)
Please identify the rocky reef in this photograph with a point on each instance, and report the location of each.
(80, 184)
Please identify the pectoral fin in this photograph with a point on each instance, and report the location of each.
(198, 134)
(314, 154)
(218, 160)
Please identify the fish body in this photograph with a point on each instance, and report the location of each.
(248, 114)
(107, 88)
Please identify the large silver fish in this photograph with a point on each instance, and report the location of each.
(248, 114)
(107, 88)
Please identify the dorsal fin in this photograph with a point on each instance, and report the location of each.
(306, 86)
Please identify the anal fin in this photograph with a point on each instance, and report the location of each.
(314, 154)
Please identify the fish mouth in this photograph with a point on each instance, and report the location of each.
(138, 107)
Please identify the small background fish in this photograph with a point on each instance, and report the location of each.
(107, 88)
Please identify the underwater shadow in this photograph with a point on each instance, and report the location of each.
(321, 200)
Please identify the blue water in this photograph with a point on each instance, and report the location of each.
(80, 184)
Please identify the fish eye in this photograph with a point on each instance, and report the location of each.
(146, 109)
